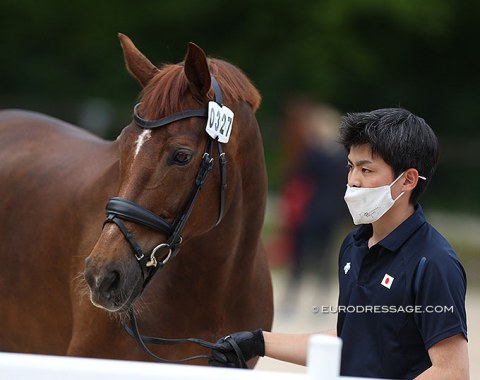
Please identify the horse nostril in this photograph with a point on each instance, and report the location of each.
(110, 283)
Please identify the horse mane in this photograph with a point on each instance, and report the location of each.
(164, 93)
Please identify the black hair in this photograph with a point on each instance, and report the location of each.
(400, 138)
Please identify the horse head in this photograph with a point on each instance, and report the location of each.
(165, 158)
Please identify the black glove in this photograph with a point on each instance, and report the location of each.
(236, 349)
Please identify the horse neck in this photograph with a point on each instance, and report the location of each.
(236, 240)
(96, 183)
(103, 175)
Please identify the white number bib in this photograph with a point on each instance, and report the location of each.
(220, 122)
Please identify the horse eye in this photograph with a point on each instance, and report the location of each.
(181, 157)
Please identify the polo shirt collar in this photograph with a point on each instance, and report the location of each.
(399, 235)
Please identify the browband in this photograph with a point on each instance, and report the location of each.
(148, 124)
(199, 112)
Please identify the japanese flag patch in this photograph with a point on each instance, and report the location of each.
(387, 281)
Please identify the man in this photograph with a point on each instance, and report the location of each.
(402, 289)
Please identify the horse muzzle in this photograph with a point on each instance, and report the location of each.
(112, 286)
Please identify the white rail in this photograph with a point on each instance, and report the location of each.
(323, 363)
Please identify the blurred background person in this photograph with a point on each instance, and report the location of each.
(310, 204)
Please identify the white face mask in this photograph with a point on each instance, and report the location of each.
(368, 204)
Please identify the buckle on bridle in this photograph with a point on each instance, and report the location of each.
(153, 260)
(205, 167)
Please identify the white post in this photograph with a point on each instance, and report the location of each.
(323, 359)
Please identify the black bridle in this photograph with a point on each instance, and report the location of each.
(120, 209)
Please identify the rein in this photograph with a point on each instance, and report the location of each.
(120, 209)
(143, 340)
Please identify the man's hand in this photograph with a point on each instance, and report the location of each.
(236, 349)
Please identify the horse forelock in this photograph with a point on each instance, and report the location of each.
(165, 94)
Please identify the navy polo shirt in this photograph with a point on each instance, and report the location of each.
(386, 325)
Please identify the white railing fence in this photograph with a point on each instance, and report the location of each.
(323, 363)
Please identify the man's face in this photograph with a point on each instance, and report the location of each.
(366, 170)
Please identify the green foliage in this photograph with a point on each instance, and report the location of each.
(354, 54)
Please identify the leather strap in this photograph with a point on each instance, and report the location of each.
(143, 340)
(222, 159)
(205, 168)
(112, 218)
(241, 360)
(134, 332)
(128, 210)
(217, 91)
(149, 124)
(199, 112)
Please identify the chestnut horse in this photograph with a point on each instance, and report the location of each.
(56, 179)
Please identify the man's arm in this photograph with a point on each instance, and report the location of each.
(449, 359)
(236, 348)
(290, 348)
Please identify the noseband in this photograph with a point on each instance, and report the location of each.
(119, 209)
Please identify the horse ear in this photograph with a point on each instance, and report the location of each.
(196, 69)
(137, 64)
